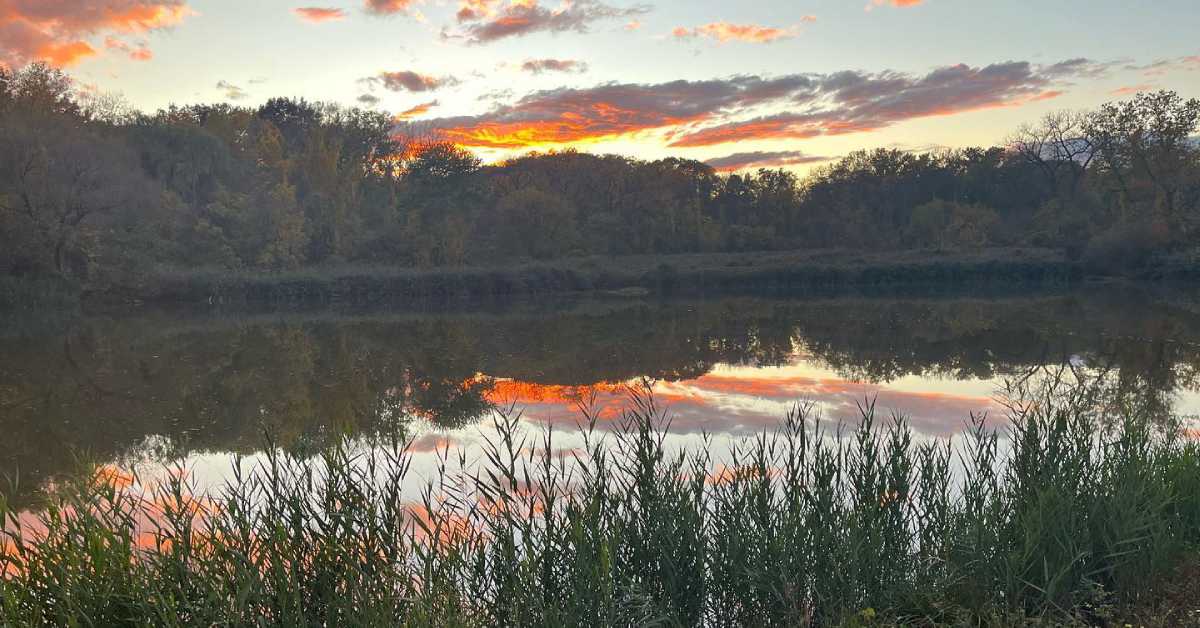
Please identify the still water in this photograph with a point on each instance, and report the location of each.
(201, 386)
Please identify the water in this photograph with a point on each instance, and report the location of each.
(140, 389)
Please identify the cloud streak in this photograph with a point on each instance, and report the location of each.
(857, 102)
(231, 91)
(409, 81)
(902, 4)
(319, 14)
(388, 7)
(138, 53)
(796, 106)
(417, 111)
(566, 66)
(485, 21)
(763, 159)
(723, 32)
(566, 115)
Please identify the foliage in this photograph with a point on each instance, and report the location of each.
(1052, 520)
(296, 184)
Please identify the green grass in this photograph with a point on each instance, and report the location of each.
(1064, 517)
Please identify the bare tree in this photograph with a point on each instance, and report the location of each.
(1059, 147)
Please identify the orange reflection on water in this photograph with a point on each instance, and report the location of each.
(743, 401)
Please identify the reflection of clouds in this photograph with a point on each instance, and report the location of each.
(432, 443)
(740, 401)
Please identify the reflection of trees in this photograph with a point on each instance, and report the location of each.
(216, 384)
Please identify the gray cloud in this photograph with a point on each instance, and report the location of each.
(763, 159)
(407, 80)
(516, 20)
(540, 66)
(703, 113)
(231, 91)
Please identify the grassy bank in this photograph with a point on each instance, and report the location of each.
(675, 274)
(1056, 521)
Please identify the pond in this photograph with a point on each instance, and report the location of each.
(150, 387)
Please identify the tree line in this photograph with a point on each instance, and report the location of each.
(93, 190)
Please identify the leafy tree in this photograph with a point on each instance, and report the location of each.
(59, 183)
(536, 224)
(1145, 150)
(87, 185)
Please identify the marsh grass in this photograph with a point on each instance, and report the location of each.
(1050, 519)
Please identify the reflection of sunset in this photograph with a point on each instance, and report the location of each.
(508, 391)
(746, 400)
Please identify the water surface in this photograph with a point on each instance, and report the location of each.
(202, 385)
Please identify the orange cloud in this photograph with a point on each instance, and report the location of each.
(469, 10)
(895, 3)
(724, 32)
(389, 7)
(319, 14)
(63, 55)
(705, 113)
(416, 111)
(563, 116)
(58, 32)
(138, 53)
(1130, 90)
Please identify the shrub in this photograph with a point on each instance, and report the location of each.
(1124, 249)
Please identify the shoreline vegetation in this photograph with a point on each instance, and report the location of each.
(1065, 516)
(295, 198)
(631, 276)
(792, 272)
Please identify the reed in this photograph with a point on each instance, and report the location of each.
(1055, 517)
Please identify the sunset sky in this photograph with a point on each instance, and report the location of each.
(736, 83)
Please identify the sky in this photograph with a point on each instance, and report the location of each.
(736, 83)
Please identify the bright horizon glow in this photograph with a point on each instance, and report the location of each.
(770, 83)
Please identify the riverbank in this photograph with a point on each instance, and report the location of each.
(616, 276)
(818, 272)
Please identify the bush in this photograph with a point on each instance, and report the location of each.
(1124, 249)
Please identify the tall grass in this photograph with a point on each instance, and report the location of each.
(1052, 517)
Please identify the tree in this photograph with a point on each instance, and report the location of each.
(62, 180)
(536, 224)
(39, 89)
(1059, 148)
(1145, 149)
(284, 229)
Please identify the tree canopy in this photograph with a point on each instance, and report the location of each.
(94, 191)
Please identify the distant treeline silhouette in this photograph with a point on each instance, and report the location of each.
(91, 190)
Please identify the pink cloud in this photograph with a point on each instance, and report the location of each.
(751, 33)
(319, 14)
(389, 7)
(706, 113)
